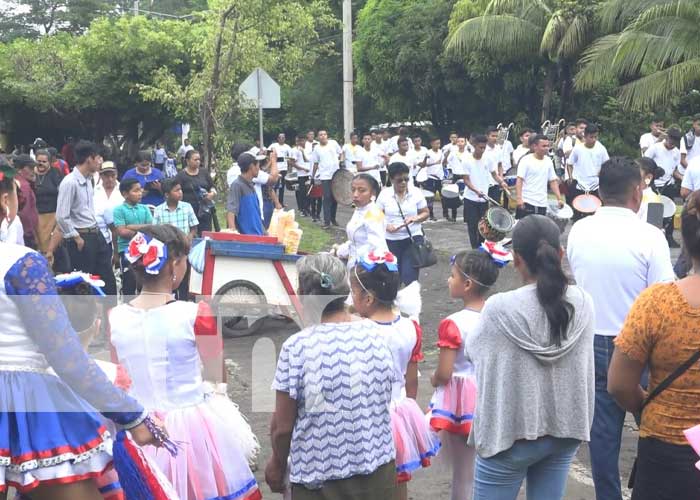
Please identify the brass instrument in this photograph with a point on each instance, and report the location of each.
(503, 132)
(551, 130)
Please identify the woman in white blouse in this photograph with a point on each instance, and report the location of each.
(366, 227)
(405, 209)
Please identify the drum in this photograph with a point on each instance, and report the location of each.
(586, 203)
(316, 190)
(450, 191)
(511, 180)
(341, 186)
(669, 206)
(291, 181)
(560, 216)
(422, 175)
(429, 195)
(496, 224)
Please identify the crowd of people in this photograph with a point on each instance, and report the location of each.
(523, 377)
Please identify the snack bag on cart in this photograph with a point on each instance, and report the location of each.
(292, 240)
(286, 219)
(274, 222)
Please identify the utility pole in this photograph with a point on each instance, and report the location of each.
(136, 7)
(348, 112)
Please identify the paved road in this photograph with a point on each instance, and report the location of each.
(254, 363)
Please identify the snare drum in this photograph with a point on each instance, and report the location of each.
(586, 203)
(496, 224)
(560, 216)
(429, 195)
(669, 206)
(450, 191)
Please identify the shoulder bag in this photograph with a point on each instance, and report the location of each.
(658, 390)
(421, 252)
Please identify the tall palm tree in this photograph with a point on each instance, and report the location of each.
(549, 32)
(655, 55)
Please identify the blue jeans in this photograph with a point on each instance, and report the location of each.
(606, 432)
(400, 248)
(544, 462)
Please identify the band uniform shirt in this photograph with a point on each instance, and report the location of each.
(372, 158)
(586, 164)
(127, 215)
(416, 157)
(328, 159)
(75, 206)
(434, 160)
(667, 159)
(243, 203)
(479, 172)
(647, 140)
(283, 152)
(694, 151)
(456, 162)
(301, 160)
(519, 153)
(691, 179)
(352, 156)
(536, 175)
(614, 256)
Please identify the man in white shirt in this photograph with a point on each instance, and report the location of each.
(393, 145)
(303, 168)
(494, 154)
(430, 176)
(614, 256)
(310, 142)
(326, 158)
(352, 152)
(401, 155)
(182, 151)
(457, 164)
(106, 198)
(566, 144)
(379, 147)
(653, 136)
(690, 145)
(372, 158)
(535, 173)
(283, 152)
(524, 146)
(507, 159)
(584, 165)
(451, 146)
(417, 154)
(480, 173)
(691, 179)
(667, 156)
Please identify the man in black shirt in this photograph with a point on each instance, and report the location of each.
(46, 189)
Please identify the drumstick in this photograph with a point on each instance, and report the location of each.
(490, 200)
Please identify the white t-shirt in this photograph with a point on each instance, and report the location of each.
(405, 159)
(647, 140)
(694, 151)
(668, 159)
(507, 149)
(411, 204)
(352, 155)
(393, 144)
(479, 172)
(12, 233)
(104, 207)
(433, 163)
(380, 150)
(283, 151)
(519, 152)
(569, 143)
(536, 175)
(691, 179)
(416, 156)
(456, 162)
(327, 158)
(301, 160)
(448, 149)
(614, 256)
(494, 155)
(371, 158)
(586, 164)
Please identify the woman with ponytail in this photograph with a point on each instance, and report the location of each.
(533, 354)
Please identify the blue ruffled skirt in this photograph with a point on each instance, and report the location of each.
(48, 435)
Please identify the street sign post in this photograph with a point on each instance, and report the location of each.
(261, 90)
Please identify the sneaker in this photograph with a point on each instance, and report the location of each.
(335, 223)
(326, 226)
(673, 243)
(432, 219)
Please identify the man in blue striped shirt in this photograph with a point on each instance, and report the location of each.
(243, 206)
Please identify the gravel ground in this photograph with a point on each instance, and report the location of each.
(252, 364)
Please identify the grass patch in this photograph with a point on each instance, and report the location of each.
(314, 239)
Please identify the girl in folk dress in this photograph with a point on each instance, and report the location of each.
(452, 406)
(375, 282)
(163, 344)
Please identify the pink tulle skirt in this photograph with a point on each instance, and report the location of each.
(415, 443)
(452, 406)
(210, 463)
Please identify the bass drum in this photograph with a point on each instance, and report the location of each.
(341, 186)
(496, 224)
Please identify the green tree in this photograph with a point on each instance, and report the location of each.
(654, 55)
(551, 33)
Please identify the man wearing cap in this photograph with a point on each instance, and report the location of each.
(28, 214)
(667, 155)
(107, 197)
(46, 183)
(242, 207)
(75, 217)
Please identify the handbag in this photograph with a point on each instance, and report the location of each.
(421, 252)
(658, 390)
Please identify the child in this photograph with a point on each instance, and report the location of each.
(374, 283)
(650, 172)
(452, 406)
(163, 345)
(170, 166)
(174, 211)
(129, 217)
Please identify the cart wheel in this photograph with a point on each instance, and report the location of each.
(241, 307)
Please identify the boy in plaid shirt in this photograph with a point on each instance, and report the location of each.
(174, 211)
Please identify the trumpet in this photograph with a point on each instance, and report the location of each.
(551, 130)
(503, 132)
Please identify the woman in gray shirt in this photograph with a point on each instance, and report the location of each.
(533, 353)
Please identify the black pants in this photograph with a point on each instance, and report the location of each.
(433, 185)
(205, 220)
(302, 198)
(474, 211)
(383, 176)
(129, 287)
(94, 258)
(281, 187)
(330, 206)
(521, 213)
(665, 472)
(315, 208)
(183, 291)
